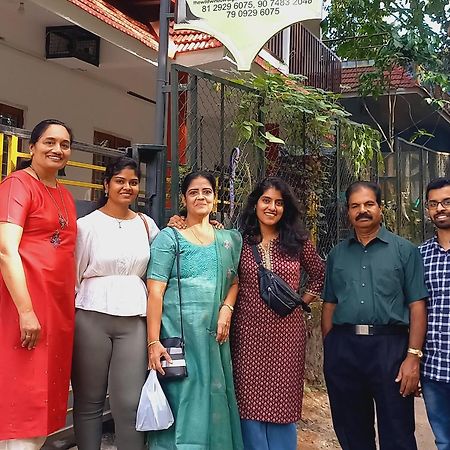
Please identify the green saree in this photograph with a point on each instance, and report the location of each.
(204, 403)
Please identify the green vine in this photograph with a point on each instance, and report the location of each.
(308, 118)
(361, 144)
(296, 129)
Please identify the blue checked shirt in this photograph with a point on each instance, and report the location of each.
(436, 360)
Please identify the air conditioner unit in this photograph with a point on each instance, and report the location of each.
(72, 42)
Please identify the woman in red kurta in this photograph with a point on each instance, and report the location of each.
(268, 350)
(37, 242)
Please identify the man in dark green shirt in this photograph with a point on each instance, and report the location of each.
(373, 323)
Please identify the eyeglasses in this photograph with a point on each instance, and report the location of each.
(433, 204)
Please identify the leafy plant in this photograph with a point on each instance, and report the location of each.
(306, 118)
(294, 130)
(362, 145)
(411, 34)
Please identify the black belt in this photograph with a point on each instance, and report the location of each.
(371, 330)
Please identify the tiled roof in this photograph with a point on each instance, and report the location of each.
(189, 40)
(184, 40)
(117, 19)
(400, 78)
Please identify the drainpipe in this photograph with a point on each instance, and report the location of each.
(161, 77)
(158, 206)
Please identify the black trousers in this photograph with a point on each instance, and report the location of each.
(360, 373)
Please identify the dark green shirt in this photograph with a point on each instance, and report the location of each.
(376, 283)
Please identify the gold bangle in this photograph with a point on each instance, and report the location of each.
(231, 308)
(149, 344)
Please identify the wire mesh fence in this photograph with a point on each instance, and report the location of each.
(204, 135)
(406, 175)
(205, 112)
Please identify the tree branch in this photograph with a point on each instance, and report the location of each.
(380, 128)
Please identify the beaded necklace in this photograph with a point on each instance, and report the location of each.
(63, 220)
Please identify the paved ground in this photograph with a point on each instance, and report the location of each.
(107, 442)
(425, 438)
(316, 430)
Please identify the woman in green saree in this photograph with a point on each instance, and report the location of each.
(204, 403)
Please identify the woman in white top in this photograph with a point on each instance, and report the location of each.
(110, 332)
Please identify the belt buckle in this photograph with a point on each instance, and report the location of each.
(362, 330)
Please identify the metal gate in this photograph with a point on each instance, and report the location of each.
(203, 112)
(406, 175)
(203, 135)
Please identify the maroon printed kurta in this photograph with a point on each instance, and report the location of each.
(268, 351)
(34, 384)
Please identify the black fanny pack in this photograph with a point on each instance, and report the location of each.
(275, 292)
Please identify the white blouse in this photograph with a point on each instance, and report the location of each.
(111, 259)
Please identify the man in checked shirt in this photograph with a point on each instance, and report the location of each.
(436, 361)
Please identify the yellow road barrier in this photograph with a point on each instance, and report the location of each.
(13, 144)
(13, 153)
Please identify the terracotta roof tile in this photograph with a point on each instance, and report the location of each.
(188, 40)
(117, 19)
(184, 40)
(400, 78)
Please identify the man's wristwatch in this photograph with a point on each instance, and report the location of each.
(415, 351)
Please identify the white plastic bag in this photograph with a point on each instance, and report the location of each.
(153, 412)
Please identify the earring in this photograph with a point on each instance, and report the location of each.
(106, 194)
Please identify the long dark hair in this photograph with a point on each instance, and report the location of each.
(114, 168)
(38, 131)
(292, 234)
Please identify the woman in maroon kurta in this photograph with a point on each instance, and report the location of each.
(268, 350)
(37, 242)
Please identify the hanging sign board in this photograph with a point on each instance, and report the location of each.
(244, 26)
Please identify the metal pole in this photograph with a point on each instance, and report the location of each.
(260, 154)
(161, 77)
(194, 153)
(338, 182)
(175, 151)
(421, 193)
(158, 206)
(398, 153)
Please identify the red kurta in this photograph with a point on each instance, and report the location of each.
(34, 383)
(268, 351)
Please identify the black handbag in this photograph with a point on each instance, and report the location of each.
(175, 345)
(275, 292)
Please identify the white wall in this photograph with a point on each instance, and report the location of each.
(45, 88)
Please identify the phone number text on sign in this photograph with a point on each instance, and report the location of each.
(249, 8)
(244, 26)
